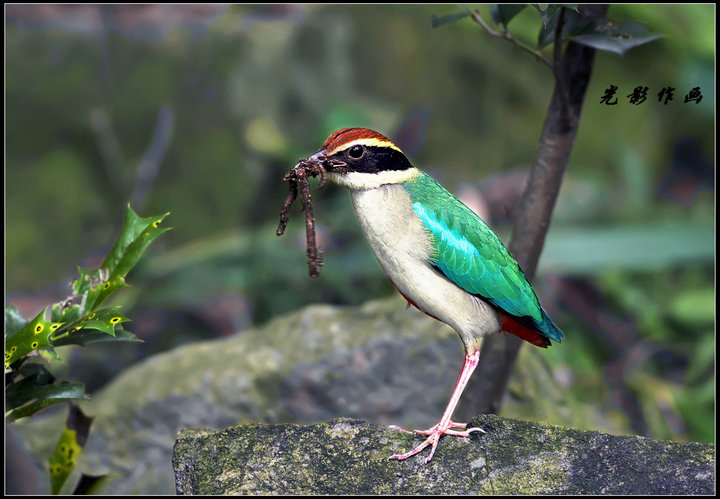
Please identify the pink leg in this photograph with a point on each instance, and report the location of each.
(444, 425)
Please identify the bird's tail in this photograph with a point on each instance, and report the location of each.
(537, 333)
(548, 328)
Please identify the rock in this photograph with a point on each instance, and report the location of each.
(378, 362)
(349, 457)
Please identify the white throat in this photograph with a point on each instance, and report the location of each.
(360, 180)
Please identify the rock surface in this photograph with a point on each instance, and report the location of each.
(349, 457)
(378, 362)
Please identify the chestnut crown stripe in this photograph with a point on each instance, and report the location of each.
(348, 137)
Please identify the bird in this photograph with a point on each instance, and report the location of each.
(440, 256)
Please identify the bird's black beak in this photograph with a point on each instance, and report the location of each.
(331, 165)
(318, 158)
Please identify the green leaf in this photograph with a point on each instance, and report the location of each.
(41, 397)
(552, 10)
(32, 337)
(92, 287)
(646, 247)
(86, 336)
(78, 312)
(36, 390)
(87, 289)
(617, 37)
(65, 312)
(103, 320)
(33, 376)
(573, 22)
(502, 13)
(85, 330)
(449, 18)
(137, 233)
(89, 280)
(71, 443)
(542, 13)
(36, 371)
(14, 322)
(42, 335)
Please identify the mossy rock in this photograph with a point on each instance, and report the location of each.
(378, 362)
(350, 457)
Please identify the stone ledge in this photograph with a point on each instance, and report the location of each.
(349, 457)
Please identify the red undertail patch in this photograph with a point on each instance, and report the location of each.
(510, 325)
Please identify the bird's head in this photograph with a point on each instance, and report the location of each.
(360, 158)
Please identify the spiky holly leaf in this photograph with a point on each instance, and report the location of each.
(28, 397)
(103, 320)
(36, 390)
(66, 312)
(137, 233)
(36, 373)
(14, 321)
(34, 336)
(101, 325)
(90, 289)
(86, 336)
(71, 443)
(71, 318)
(93, 286)
(41, 335)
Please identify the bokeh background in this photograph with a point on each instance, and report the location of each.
(200, 109)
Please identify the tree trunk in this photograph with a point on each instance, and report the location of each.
(532, 214)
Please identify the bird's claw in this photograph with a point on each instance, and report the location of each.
(434, 435)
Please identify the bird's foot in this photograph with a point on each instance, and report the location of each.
(434, 435)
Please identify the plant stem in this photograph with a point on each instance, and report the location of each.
(532, 215)
(507, 36)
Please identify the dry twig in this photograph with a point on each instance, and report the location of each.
(299, 175)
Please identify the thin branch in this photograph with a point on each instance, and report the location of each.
(533, 213)
(151, 161)
(507, 36)
(558, 68)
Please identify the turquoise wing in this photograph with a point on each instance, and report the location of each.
(469, 253)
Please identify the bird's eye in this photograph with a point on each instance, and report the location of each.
(356, 152)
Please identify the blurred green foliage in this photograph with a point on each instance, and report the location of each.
(244, 91)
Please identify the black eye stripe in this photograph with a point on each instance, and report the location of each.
(373, 159)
